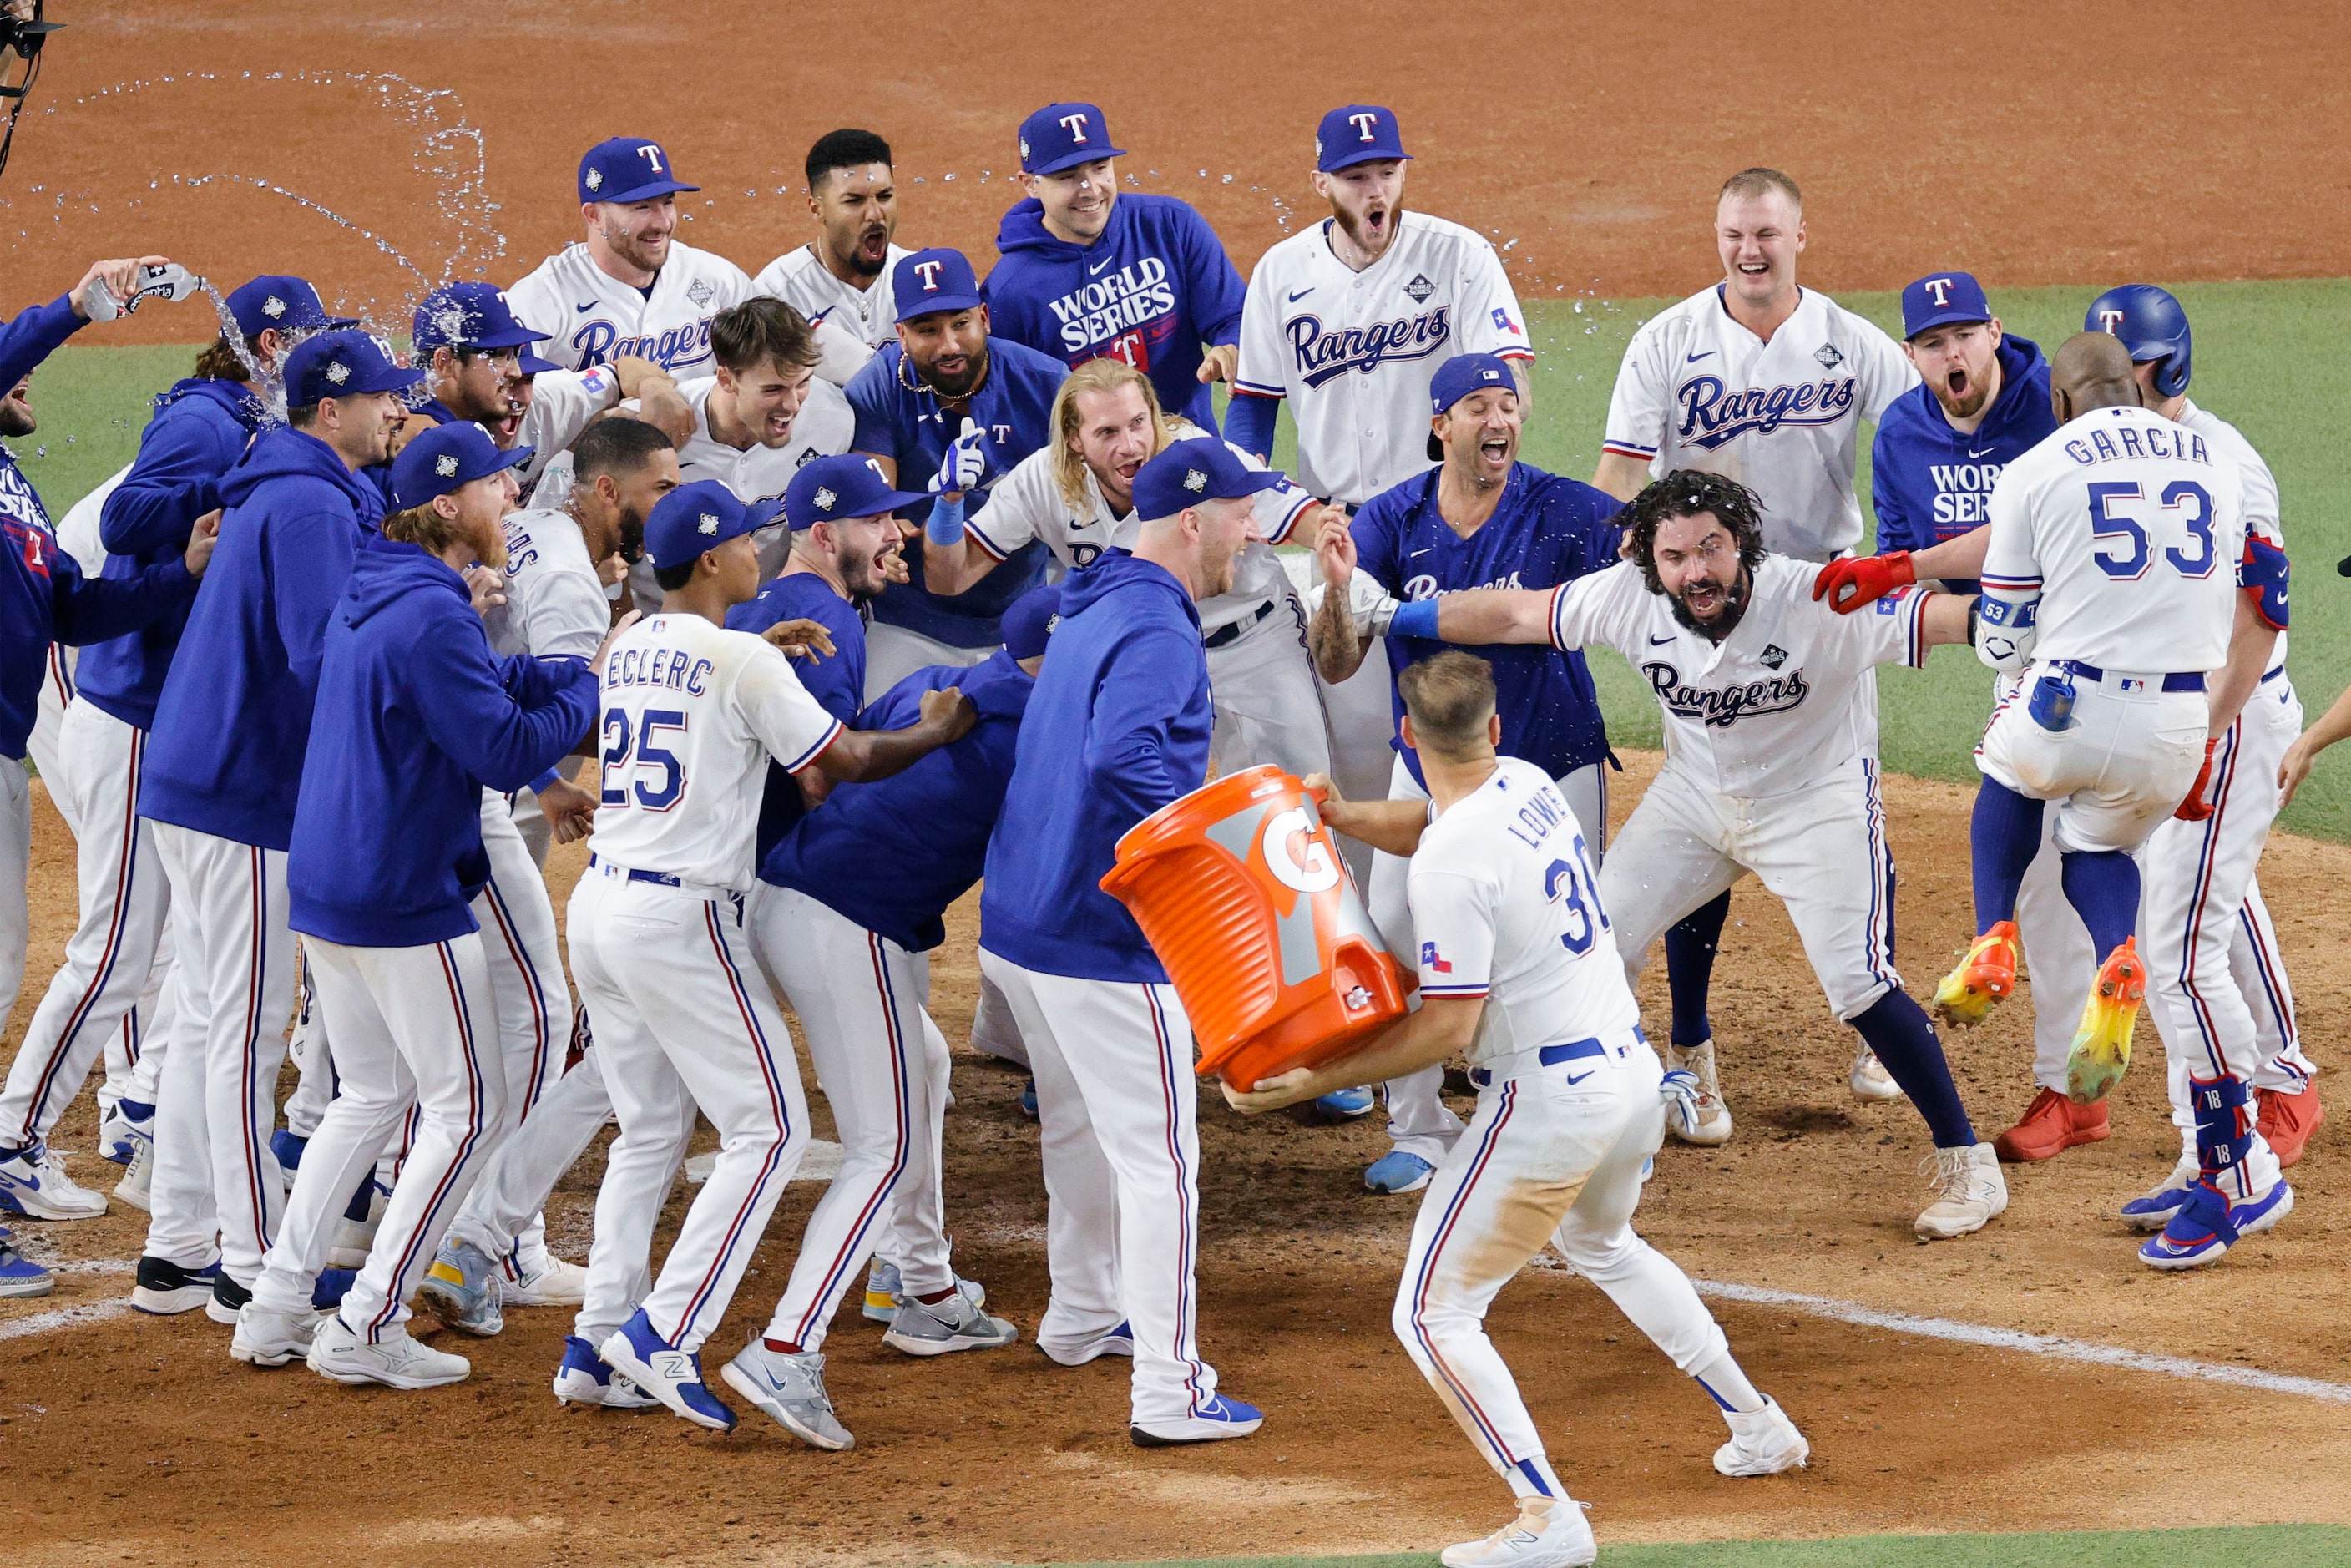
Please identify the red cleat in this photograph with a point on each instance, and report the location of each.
(2288, 1119)
(2050, 1126)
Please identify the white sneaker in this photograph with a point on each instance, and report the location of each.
(1762, 1443)
(355, 1238)
(548, 1281)
(1713, 1123)
(1550, 1532)
(34, 1185)
(1870, 1080)
(924, 1328)
(790, 1389)
(137, 1182)
(337, 1352)
(1969, 1192)
(264, 1338)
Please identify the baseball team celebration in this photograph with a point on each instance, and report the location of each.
(506, 782)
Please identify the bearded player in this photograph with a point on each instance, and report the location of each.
(843, 276)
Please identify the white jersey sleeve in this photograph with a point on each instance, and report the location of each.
(844, 353)
(1638, 407)
(1602, 609)
(1891, 632)
(1263, 365)
(1883, 370)
(1452, 914)
(1490, 320)
(536, 300)
(563, 404)
(1278, 510)
(556, 605)
(1026, 504)
(77, 532)
(777, 708)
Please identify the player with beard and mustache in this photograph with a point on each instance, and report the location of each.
(1770, 767)
(843, 276)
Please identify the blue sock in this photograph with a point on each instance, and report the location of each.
(2103, 887)
(356, 1211)
(2004, 835)
(1898, 1030)
(135, 1110)
(1690, 946)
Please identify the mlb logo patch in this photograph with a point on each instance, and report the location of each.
(1434, 961)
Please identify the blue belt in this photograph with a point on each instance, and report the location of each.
(658, 878)
(2273, 675)
(2188, 681)
(1550, 1056)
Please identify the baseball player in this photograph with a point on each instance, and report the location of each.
(1519, 972)
(415, 717)
(848, 943)
(1765, 383)
(1088, 272)
(692, 712)
(1117, 727)
(843, 276)
(947, 384)
(1480, 519)
(49, 601)
(220, 774)
(1769, 714)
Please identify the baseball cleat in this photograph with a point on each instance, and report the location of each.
(547, 1280)
(2207, 1225)
(1398, 1171)
(1869, 1080)
(2101, 1044)
(883, 1300)
(1341, 1105)
(228, 1300)
(1969, 1192)
(2288, 1119)
(669, 1374)
(1217, 1419)
(137, 1186)
(941, 1328)
(464, 1288)
(1762, 1443)
(1119, 1340)
(2153, 1209)
(1711, 1123)
(19, 1275)
(790, 1389)
(584, 1379)
(1028, 1100)
(339, 1354)
(122, 1133)
(2051, 1125)
(264, 1338)
(33, 1182)
(167, 1290)
(1984, 977)
(1550, 1532)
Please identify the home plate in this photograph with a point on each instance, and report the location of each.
(822, 1163)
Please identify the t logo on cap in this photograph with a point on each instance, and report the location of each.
(1940, 287)
(1363, 124)
(2109, 320)
(930, 271)
(1076, 125)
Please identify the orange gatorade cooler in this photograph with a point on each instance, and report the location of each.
(1241, 892)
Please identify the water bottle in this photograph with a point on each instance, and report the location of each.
(167, 281)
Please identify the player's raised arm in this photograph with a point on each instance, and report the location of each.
(1336, 641)
(862, 756)
(1482, 615)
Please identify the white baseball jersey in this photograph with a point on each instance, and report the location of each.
(2258, 489)
(78, 530)
(821, 429)
(692, 713)
(1784, 418)
(1354, 352)
(594, 316)
(556, 605)
(803, 282)
(1028, 504)
(2128, 529)
(562, 404)
(1506, 904)
(1779, 705)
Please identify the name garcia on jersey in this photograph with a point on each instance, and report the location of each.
(1711, 420)
(1723, 706)
(1109, 307)
(2125, 442)
(1326, 356)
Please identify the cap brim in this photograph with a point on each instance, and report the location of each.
(1255, 482)
(945, 307)
(514, 458)
(645, 193)
(393, 380)
(1354, 158)
(766, 513)
(887, 504)
(1950, 319)
(1072, 160)
(532, 365)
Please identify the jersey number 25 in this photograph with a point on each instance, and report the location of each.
(625, 775)
(2124, 549)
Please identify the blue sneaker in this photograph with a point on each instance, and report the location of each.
(669, 1374)
(1219, 1418)
(19, 1275)
(584, 1379)
(33, 1182)
(1028, 1098)
(1398, 1171)
(288, 1150)
(332, 1285)
(2207, 1225)
(123, 1129)
(2153, 1209)
(1343, 1104)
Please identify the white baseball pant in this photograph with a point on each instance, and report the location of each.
(1117, 1105)
(413, 1026)
(236, 993)
(314, 1089)
(1418, 1122)
(2115, 772)
(892, 652)
(16, 825)
(1552, 1155)
(683, 1018)
(860, 1000)
(1268, 705)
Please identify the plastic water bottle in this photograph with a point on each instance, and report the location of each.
(169, 281)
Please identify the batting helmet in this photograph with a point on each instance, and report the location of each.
(2151, 325)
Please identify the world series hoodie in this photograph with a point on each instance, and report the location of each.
(1116, 728)
(225, 754)
(415, 717)
(1929, 483)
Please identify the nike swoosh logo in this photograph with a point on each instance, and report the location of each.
(1985, 453)
(1095, 270)
(590, 306)
(1300, 295)
(1575, 1078)
(1695, 357)
(1423, 550)
(1659, 642)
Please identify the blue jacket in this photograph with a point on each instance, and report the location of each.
(838, 682)
(1154, 288)
(1929, 482)
(224, 753)
(902, 421)
(891, 855)
(1117, 727)
(415, 717)
(199, 430)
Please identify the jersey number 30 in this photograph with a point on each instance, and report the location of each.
(2123, 551)
(1566, 883)
(625, 776)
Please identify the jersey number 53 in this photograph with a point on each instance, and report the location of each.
(2123, 551)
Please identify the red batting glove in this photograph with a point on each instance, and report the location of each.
(1860, 579)
(2194, 809)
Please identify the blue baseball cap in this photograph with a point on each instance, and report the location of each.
(342, 363)
(835, 489)
(1940, 300)
(1188, 471)
(626, 169)
(694, 519)
(1063, 136)
(474, 316)
(930, 281)
(445, 457)
(1457, 379)
(284, 301)
(1026, 626)
(1356, 133)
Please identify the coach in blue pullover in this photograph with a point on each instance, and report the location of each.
(1117, 727)
(1088, 272)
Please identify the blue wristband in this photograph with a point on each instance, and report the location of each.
(945, 525)
(1415, 619)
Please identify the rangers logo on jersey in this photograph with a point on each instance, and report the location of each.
(1724, 706)
(1711, 420)
(1326, 356)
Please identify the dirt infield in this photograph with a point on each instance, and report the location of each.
(132, 1439)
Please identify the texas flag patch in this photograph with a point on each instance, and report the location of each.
(1502, 323)
(1434, 961)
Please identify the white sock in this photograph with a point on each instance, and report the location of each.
(1727, 1386)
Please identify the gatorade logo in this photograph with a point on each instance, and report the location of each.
(1314, 871)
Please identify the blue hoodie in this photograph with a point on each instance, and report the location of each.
(224, 755)
(891, 855)
(1929, 482)
(415, 717)
(199, 430)
(836, 681)
(1155, 286)
(1117, 727)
